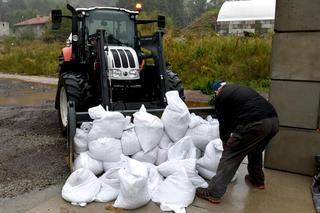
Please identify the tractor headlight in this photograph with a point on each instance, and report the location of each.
(134, 73)
(116, 73)
(75, 38)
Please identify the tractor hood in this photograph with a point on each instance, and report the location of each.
(123, 63)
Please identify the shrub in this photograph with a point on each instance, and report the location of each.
(200, 61)
(29, 57)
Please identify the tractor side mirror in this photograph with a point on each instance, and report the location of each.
(161, 22)
(56, 18)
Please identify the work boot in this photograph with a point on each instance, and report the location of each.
(249, 180)
(204, 193)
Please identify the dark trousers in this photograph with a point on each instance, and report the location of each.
(249, 140)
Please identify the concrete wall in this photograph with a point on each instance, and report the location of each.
(4, 29)
(295, 86)
(260, 27)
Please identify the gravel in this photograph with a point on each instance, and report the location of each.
(32, 151)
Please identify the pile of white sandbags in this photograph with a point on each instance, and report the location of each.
(163, 160)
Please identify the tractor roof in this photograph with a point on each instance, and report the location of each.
(108, 8)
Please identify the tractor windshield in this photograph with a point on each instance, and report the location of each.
(118, 25)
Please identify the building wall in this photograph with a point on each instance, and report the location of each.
(261, 27)
(4, 29)
(34, 31)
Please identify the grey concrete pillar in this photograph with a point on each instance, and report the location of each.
(295, 86)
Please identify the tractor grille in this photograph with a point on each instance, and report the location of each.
(122, 58)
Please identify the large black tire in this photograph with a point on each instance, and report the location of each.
(71, 87)
(175, 83)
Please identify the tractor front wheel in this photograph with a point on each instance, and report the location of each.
(175, 83)
(71, 87)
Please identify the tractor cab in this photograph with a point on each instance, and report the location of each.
(119, 24)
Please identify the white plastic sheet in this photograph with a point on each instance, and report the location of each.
(105, 149)
(175, 193)
(149, 129)
(134, 191)
(176, 116)
(81, 187)
(85, 161)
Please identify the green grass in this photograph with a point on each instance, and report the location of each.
(29, 57)
(199, 60)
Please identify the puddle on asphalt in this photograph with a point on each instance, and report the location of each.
(20, 93)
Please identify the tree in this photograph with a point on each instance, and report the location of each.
(64, 30)
(215, 3)
(176, 10)
(196, 8)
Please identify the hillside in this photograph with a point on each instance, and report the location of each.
(203, 25)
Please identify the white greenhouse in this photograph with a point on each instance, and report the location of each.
(246, 16)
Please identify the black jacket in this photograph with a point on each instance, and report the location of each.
(240, 105)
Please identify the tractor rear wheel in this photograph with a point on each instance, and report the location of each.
(71, 87)
(175, 83)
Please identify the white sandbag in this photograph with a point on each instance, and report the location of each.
(202, 131)
(175, 193)
(165, 142)
(81, 187)
(183, 149)
(154, 178)
(129, 142)
(80, 141)
(210, 159)
(110, 165)
(215, 126)
(110, 186)
(86, 126)
(176, 116)
(207, 174)
(97, 112)
(162, 156)
(86, 162)
(170, 167)
(149, 129)
(105, 149)
(133, 185)
(128, 124)
(111, 125)
(149, 157)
